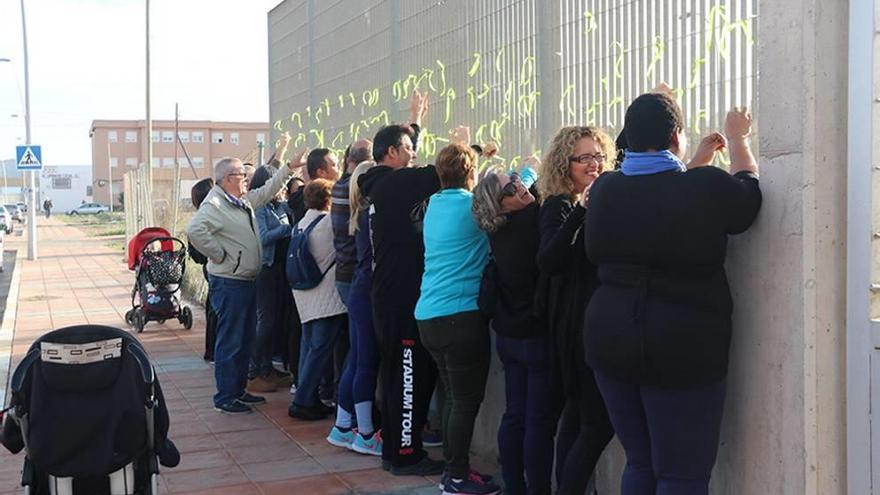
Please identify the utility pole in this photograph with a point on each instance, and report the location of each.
(149, 137)
(175, 194)
(110, 175)
(32, 175)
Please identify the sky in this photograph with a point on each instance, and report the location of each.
(87, 62)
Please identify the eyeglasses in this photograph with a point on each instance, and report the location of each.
(509, 189)
(588, 157)
(237, 174)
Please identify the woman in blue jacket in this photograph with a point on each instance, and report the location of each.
(273, 294)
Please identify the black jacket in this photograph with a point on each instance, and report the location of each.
(570, 280)
(515, 249)
(398, 199)
(662, 314)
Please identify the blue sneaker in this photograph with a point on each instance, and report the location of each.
(341, 438)
(472, 485)
(371, 446)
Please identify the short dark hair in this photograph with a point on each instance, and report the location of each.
(262, 176)
(455, 165)
(200, 191)
(317, 194)
(316, 161)
(650, 122)
(388, 137)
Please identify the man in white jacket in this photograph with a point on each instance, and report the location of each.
(224, 229)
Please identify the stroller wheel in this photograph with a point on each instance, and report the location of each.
(128, 316)
(139, 320)
(186, 317)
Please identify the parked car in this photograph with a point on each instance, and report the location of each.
(16, 212)
(89, 209)
(5, 219)
(22, 206)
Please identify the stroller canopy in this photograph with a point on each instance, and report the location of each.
(144, 237)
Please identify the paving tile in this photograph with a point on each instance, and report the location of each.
(203, 479)
(196, 443)
(203, 459)
(375, 480)
(312, 485)
(246, 489)
(282, 470)
(266, 453)
(346, 460)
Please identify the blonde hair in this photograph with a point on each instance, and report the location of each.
(554, 179)
(358, 201)
(455, 166)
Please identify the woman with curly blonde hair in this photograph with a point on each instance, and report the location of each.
(576, 157)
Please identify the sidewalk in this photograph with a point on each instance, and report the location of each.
(78, 279)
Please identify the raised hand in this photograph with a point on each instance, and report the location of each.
(461, 135)
(705, 153)
(738, 124)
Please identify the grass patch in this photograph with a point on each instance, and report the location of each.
(100, 218)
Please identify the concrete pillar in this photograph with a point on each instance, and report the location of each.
(784, 429)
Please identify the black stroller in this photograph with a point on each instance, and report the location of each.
(88, 411)
(159, 262)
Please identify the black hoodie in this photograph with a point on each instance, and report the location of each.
(398, 200)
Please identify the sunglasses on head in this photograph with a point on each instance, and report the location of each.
(510, 188)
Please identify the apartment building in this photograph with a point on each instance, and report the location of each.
(118, 146)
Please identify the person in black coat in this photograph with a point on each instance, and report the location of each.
(658, 328)
(504, 206)
(198, 193)
(577, 155)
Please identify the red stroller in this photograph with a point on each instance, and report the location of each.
(159, 261)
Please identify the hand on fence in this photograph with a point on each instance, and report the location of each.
(705, 153)
(461, 135)
(490, 149)
(738, 124)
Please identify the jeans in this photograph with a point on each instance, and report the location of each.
(316, 353)
(234, 301)
(670, 436)
(525, 436)
(459, 344)
(272, 289)
(358, 383)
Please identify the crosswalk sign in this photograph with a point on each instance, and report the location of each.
(29, 157)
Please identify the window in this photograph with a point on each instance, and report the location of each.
(131, 162)
(111, 136)
(261, 138)
(156, 162)
(198, 162)
(155, 136)
(114, 161)
(168, 162)
(233, 137)
(184, 136)
(167, 136)
(198, 137)
(131, 136)
(216, 137)
(61, 183)
(88, 190)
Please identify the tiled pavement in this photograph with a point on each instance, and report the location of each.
(79, 279)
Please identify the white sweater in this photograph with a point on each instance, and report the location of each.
(322, 301)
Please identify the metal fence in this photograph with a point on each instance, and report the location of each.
(513, 70)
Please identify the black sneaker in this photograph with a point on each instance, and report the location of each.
(234, 407)
(472, 485)
(250, 399)
(486, 478)
(425, 467)
(305, 413)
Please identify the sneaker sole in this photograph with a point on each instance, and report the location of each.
(431, 444)
(233, 413)
(337, 443)
(444, 492)
(365, 451)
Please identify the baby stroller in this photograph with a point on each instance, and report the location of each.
(158, 261)
(87, 409)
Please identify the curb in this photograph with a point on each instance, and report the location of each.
(7, 329)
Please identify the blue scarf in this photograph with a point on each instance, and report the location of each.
(650, 162)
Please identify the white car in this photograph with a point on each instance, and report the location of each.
(5, 219)
(89, 209)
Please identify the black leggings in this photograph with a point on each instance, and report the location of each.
(584, 432)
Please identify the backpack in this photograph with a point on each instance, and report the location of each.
(303, 272)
